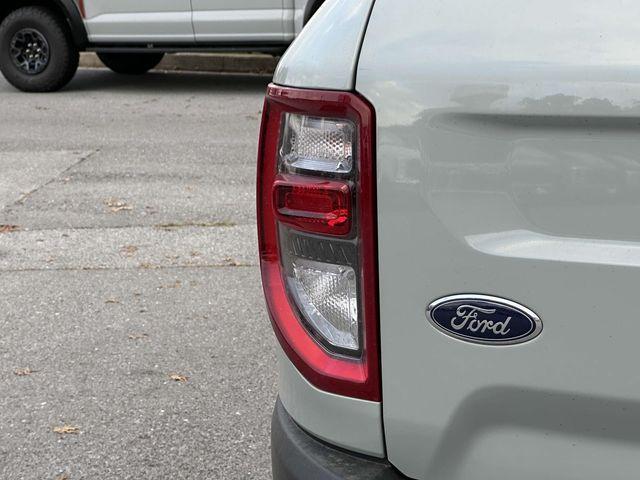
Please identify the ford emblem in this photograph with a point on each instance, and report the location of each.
(484, 319)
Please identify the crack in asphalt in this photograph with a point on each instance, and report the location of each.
(24, 196)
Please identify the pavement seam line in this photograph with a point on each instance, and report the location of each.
(24, 196)
(112, 269)
(127, 227)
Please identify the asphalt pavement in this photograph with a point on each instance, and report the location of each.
(134, 342)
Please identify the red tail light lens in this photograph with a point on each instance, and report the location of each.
(314, 205)
(316, 215)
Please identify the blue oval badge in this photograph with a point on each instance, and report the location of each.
(484, 319)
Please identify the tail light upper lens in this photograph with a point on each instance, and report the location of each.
(316, 215)
(317, 144)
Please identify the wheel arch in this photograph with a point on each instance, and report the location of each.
(68, 9)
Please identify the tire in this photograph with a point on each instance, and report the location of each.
(131, 63)
(52, 34)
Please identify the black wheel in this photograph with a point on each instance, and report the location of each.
(131, 63)
(37, 53)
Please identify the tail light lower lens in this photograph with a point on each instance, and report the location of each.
(316, 215)
(327, 296)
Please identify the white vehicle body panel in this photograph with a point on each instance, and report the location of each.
(346, 422)
(145, 21)
(301, 10)
(229, 20)
(326, 52)
(189, 21)
(508, 163)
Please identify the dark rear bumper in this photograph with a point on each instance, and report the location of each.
(296, 455)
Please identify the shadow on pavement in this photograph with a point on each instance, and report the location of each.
(174, 82)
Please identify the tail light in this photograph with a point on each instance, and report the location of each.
(316, 215)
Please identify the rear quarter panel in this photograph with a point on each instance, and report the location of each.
(509, 164)
(324, 56)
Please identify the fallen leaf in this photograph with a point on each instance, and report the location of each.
(116, 205)
(23, 372)
(62, 476)
(138, 336)
(178, 378)
(231, 262)
(112, 300)
(128, 250)
(67, 430)
(9, 228)
(145, 265)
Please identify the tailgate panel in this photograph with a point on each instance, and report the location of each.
(509, 165)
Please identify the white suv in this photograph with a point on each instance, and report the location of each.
(40, 39)
(448, 199)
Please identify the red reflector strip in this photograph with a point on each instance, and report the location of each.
(313, 205)
(83, 12)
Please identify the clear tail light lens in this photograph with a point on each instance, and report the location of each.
(316, 215)
(327, 296)
(317, 144)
